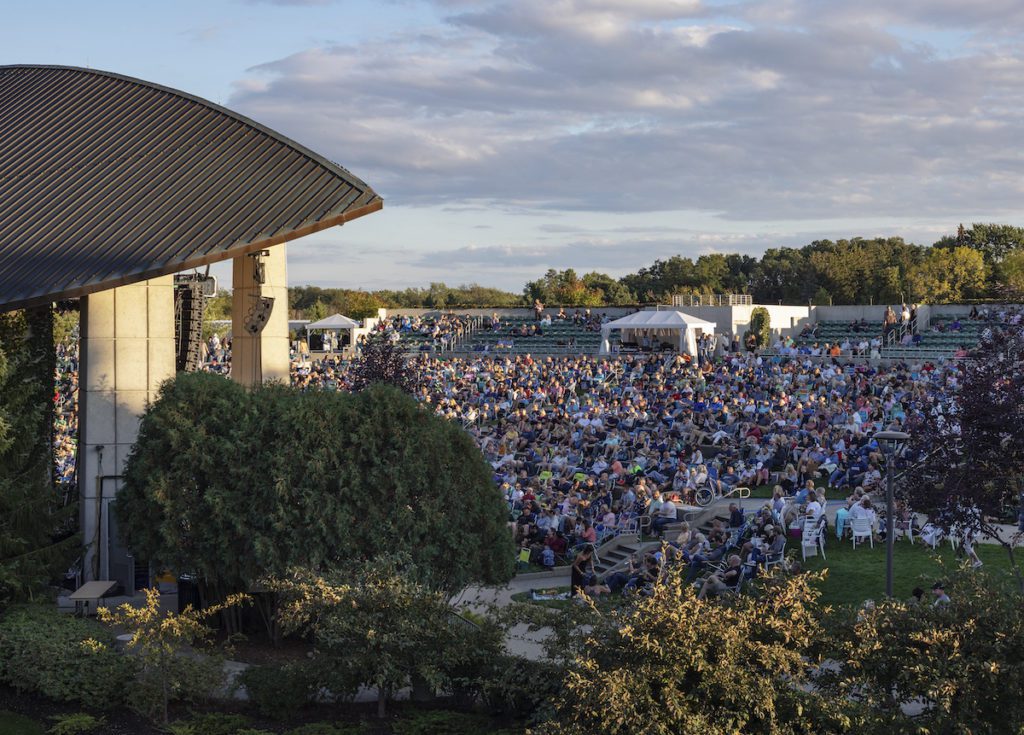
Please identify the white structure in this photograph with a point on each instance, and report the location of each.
(335, 323)
(677, 327)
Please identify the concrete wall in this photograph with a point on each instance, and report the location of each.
(732, 320)
(613, 311)
(256, 359)
(127, 350)
(851, 313)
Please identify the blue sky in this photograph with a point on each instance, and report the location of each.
(508, 136)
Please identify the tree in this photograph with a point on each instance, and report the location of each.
(164, 645)
(607, 290)
(37, 541)
(972, 452)
(234, 485)
(950, 275)
(786, 275)
(961, 664)
(1011, 275)
(317, 311)
(358, 305)
(711, 272)
(376, 624)
(674, 664)
(381, 361)
(993, 241)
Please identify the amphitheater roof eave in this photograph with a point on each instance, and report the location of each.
(106, 180)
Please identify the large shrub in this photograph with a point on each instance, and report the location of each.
(236, 484)
(760, 327)
(682, 665)
(374, 623)
(279, 691)
(962, 664)
(63, 658)
(36, 542)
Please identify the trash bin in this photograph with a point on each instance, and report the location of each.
(188, 592)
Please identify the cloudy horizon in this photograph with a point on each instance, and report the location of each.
(509, 136)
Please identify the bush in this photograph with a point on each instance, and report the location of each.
(522, 688)
(326, 728)
(279, 691)
(64, 658)
(442, 723)
(760, 326)
(75, 724)
(212, 723)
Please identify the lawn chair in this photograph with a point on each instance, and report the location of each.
(906, 528)
(813, 539)
(776, 558)
(861, 528)
(931, 535)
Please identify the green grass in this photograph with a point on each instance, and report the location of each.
(12, 724)
(856, 576)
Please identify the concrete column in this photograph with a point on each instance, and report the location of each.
(255, 359)
(126, 351)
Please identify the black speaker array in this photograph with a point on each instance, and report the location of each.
(189, 304)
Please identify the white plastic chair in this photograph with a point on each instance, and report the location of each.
(861, 528)
(931, 535)
(812, 540)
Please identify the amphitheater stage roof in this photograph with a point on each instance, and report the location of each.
(107, 180)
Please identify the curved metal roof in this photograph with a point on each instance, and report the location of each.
(107, 180)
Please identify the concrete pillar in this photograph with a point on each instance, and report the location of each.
(126, 351)
(261, 357)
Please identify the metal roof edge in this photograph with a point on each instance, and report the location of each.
(374, 205)
(335, 168)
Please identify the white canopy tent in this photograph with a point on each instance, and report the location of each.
(333, 323)
(675, 326)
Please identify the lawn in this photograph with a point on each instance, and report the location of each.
(11, 724)
(856, 576)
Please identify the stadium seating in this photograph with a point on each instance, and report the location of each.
(561, 337)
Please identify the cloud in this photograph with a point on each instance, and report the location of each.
(791, 109)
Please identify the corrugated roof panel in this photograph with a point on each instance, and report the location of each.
(107, 180)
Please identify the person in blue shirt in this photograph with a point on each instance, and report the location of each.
(803, 494)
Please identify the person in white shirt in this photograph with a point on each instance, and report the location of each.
(816, 506)
(863, 509)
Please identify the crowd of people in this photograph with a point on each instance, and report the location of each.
(65, 414)
(583, 447)
(440, 332)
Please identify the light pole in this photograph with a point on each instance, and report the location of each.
(890, 441)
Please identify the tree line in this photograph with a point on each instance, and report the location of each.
(985, 261)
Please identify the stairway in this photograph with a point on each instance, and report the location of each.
(614, 555)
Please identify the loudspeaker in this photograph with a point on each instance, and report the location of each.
(259, 314)
(189, 305)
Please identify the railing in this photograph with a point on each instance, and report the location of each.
(724, 299)
(740, 492)
(899, 331)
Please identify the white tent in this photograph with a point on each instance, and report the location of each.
(676, 326)
(333, 323)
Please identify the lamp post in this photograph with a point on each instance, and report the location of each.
(890, 441)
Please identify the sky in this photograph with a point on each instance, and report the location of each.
(511, 136)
